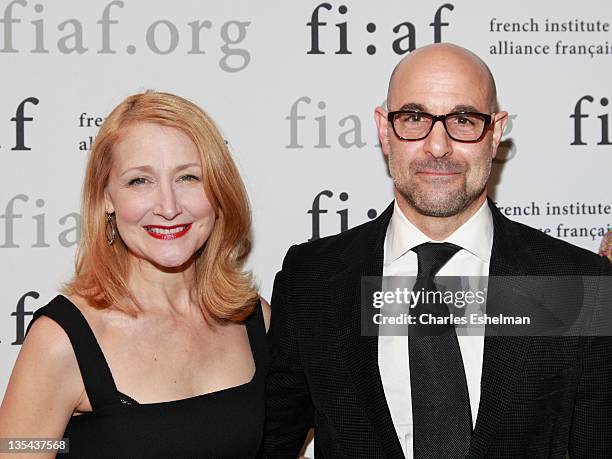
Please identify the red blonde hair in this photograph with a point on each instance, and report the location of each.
(223, 290)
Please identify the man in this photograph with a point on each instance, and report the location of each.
(494, 396)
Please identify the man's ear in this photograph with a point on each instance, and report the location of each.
(499, 123)
(382, 125)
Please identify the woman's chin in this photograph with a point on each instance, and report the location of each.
(174, 265)
(171, 264)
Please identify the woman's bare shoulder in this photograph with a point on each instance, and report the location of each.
(47, 341)
(34, 400)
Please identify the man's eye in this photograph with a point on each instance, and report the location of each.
(465, 120)
(137, 181)
(414, 118)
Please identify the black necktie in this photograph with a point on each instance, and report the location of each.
(442, 421)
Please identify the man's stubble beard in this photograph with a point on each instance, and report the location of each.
(442, 202)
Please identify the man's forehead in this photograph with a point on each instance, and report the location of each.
(439, 90)
(435, 96)
(438, 76)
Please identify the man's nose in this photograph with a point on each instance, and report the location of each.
(167, 203)
(438, 143)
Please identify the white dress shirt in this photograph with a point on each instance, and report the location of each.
(475, 237)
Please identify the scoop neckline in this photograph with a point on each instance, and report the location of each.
(207, 395)
(193, 397)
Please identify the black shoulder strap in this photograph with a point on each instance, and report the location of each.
(256, 329)
(96, 374)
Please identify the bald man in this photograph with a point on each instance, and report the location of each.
(442, 396)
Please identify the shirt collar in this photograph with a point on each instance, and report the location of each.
(475, 235)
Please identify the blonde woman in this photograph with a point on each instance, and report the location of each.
(157, 347)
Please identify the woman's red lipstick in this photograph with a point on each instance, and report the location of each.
(167, 233)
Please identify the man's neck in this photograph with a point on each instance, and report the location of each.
(439, 228)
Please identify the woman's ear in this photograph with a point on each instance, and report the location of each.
(108, 202)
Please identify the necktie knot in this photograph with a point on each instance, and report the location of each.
(432, 256)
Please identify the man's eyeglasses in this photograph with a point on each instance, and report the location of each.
(460, 126)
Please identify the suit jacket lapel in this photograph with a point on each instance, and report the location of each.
(503, 355)
(364, 257)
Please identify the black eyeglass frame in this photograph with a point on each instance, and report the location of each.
(487, 123)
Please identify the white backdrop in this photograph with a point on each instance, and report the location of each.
(293, 86)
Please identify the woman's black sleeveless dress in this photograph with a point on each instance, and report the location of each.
(224, 424)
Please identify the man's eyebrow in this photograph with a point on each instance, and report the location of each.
(413, 106)
(455, 109)
(464, 108)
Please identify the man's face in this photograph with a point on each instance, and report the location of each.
(438, 176)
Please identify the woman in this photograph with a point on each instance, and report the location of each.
(176, 362)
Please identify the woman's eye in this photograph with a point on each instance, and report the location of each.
(190, 178)
(137, 181)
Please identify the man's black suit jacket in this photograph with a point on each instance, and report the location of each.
(540, 396)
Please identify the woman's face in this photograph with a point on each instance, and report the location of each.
(155, 189)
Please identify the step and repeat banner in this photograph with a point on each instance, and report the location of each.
(293, 87)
